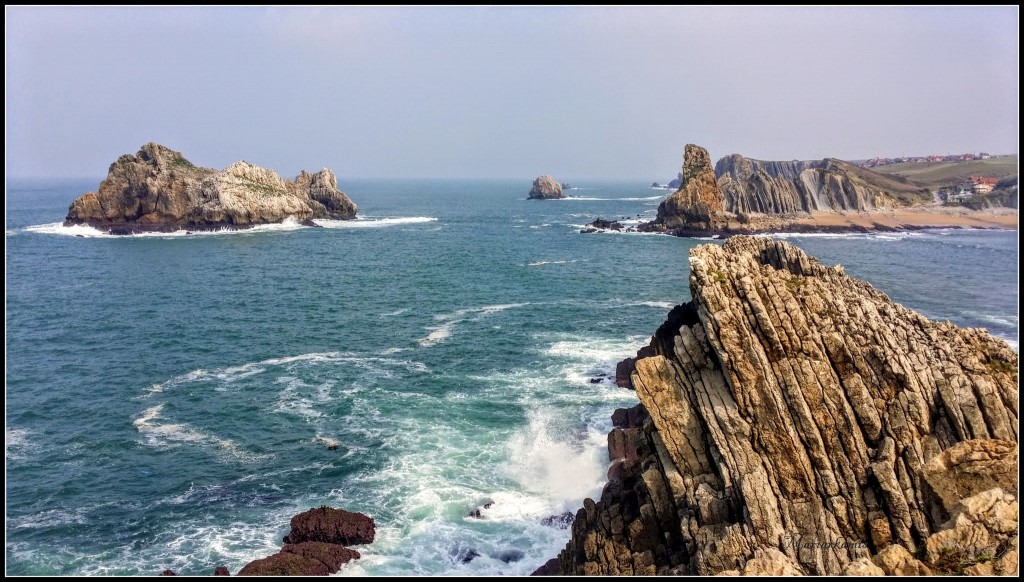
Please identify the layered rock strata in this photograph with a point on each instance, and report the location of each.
(765, 187)
(795, 420)
(157, 189)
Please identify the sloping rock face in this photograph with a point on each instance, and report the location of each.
(157, 189)
(797, 419)
(545, 187)
(767, 187)
(697, 204)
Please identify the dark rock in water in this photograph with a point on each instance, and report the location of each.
(285, 564)
(606, 224)
(655, 185)
(629, 417)
(168, 573)
(80, 235)
(331, 555)
(561, 521)
(595, 380)
(550, 568)
(509, 556)
(623, 373)
(464, 555)
(545, 187)
(567, 186)
(589, 231)
(476, 512)
(158, 190)
(332, 447)
(332, 526)
(221, 571)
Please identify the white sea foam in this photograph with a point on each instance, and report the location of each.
(552, 467)
(17, 443)
(162, 435)
(84, 231)
(599, 199)
(539, 263)
(448, 321)
(395, 312)
(366, 222)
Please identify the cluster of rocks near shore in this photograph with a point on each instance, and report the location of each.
(795, 420)
(317, 545)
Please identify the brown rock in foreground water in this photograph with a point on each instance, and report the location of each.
(331, 526)
(796, 415)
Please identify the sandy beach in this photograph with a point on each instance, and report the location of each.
(889, 219)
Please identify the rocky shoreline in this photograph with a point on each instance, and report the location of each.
(747, 197)
(159, 190)
(794, 420)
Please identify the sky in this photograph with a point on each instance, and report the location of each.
(488, 92)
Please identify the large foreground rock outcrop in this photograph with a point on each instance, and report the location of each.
(545, 188)
(795, 420)
(157, 189)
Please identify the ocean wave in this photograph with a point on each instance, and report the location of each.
(539, 263)
(882, 236)
(18, 443)
(163, 435)
(598, 199)
(439, 333)
(366, 222)
(232, 374)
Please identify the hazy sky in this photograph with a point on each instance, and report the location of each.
(503, 92)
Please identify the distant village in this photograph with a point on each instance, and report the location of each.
(973, 186)
(958, 190)
(875, 162)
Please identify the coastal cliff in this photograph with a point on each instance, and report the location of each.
(795, 420)
(697, 204)
(157, 189)
(766, 187)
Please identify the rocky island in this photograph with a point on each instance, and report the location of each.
(739, 195)
(545, 188)
(795, 420)
(158, 189)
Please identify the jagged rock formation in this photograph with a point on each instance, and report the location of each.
(545, 187)
(800, 186)
(157, 189)
(697, 204)
(315, 546)
(796, 420)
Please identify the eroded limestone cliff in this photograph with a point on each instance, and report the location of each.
(795, 420)
(697, 204)
(767, 187)
(157, 189)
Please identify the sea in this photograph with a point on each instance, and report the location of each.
(173, 400)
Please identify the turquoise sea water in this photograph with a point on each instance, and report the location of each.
(170, 399)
